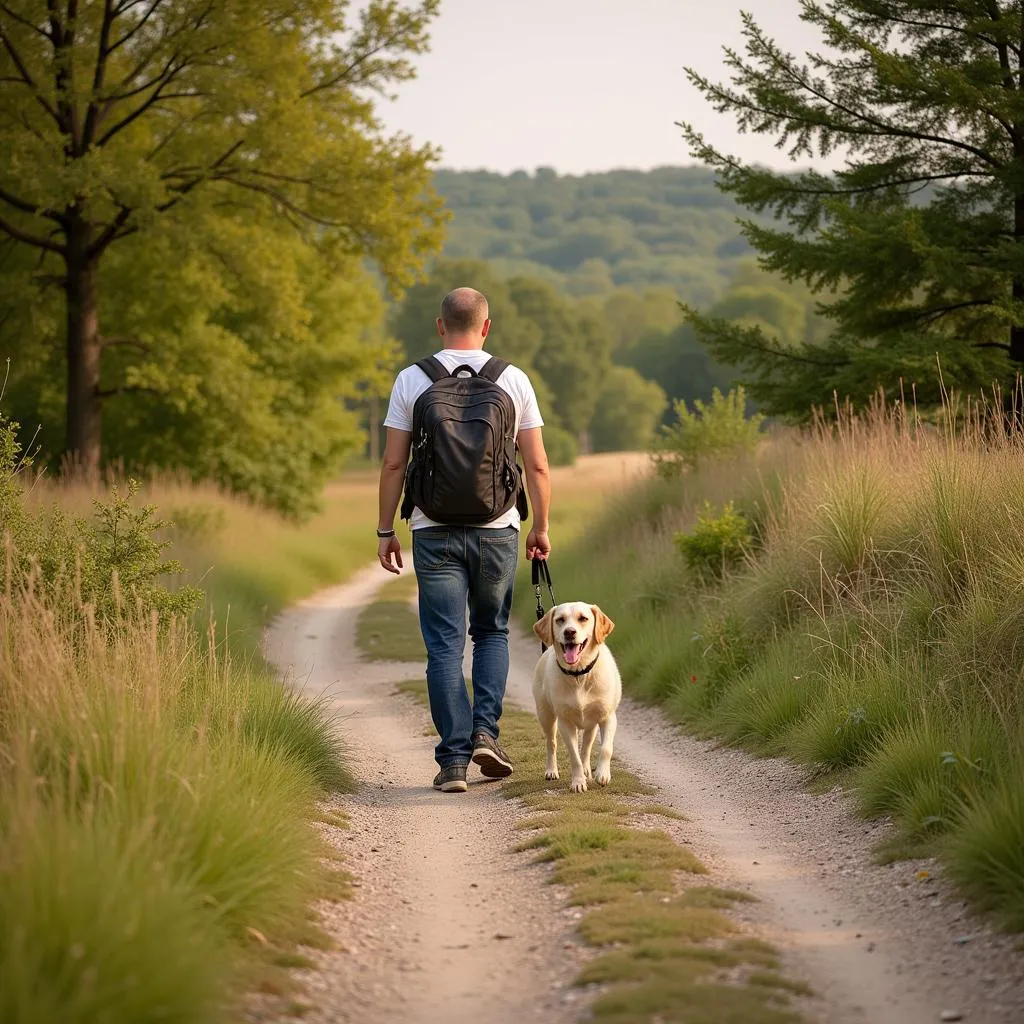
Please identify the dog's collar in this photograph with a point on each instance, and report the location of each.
(579, 671)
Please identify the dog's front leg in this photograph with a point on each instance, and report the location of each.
(604, 764)
(570, 737)
(550, 727)
(589, 735)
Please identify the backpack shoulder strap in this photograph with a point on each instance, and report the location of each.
(433, 368)
(493, 369)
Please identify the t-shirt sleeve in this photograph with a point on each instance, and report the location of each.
(531, 410)
(399, 407)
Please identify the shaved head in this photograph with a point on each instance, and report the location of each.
(463, 311)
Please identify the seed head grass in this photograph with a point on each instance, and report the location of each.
(873, 632)
(157, 783)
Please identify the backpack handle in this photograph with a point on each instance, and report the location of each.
(435, 369)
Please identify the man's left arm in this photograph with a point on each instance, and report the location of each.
(392, 478)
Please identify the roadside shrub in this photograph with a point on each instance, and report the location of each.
(113, 562)
(711, 431)
(986, 854)
(717, 542)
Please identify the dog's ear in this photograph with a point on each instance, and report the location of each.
(603, 626)
(545, 628)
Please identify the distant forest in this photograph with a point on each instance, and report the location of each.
(586, 275)
(590, 234)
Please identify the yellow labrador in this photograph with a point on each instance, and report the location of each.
(576, 686)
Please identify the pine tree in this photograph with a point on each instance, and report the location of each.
(916, 246)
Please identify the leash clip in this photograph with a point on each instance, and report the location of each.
(539, 571)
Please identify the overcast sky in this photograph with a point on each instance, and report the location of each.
(581, 85)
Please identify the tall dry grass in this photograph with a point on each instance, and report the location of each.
(250, 561)
(156, 788)
(874, 631)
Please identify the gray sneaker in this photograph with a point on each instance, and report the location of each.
(452, 779)
(493, 761)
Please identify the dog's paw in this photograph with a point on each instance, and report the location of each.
(604, 776)
(578, 785)
(587, 773)
(551, 774)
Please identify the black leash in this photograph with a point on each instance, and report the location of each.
(540, 573)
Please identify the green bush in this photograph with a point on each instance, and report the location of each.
(561, 446)
(113, 562)
(710, 431)
(717, 542)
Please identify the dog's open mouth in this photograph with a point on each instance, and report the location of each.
(573, 652)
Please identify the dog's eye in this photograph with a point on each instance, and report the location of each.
(582, 618)
(560, 620)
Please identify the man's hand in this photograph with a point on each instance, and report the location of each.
(538, 545)
(389, 551)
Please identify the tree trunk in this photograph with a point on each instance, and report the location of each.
(83, 355)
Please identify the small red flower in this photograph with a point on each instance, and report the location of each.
(693, 679)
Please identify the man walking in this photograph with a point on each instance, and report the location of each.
(466, 413)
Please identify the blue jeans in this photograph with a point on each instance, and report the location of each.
(458, 566)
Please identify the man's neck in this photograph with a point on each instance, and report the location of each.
(463, 344)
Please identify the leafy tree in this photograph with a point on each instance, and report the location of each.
(631, 314)
(629, 409)
(154, 127)
(234, 347)
(678, 362)
(590, 234)
(921, 235)
(573, 351)
(413, 323)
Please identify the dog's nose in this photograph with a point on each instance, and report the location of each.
(570, 634)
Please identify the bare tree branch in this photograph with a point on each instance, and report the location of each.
(158, 95)
(138, 26)
(127, 389)
(29, 239)
(27, 207)
(27, 78)
(134, 343)
(345, 74)
(26, 22)
(115, 229)
(99, 73)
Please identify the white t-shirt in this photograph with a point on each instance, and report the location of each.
(412, 382)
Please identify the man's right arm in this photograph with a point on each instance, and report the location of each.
(538, 484)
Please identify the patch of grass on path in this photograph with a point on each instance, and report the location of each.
(670, 951)
(387, 629)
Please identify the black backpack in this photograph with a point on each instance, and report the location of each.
(462, 470)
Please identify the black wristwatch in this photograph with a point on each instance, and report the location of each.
(384, 534)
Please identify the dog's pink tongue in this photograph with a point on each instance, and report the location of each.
(572, 652)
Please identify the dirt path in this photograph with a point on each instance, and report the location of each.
(449, 925)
